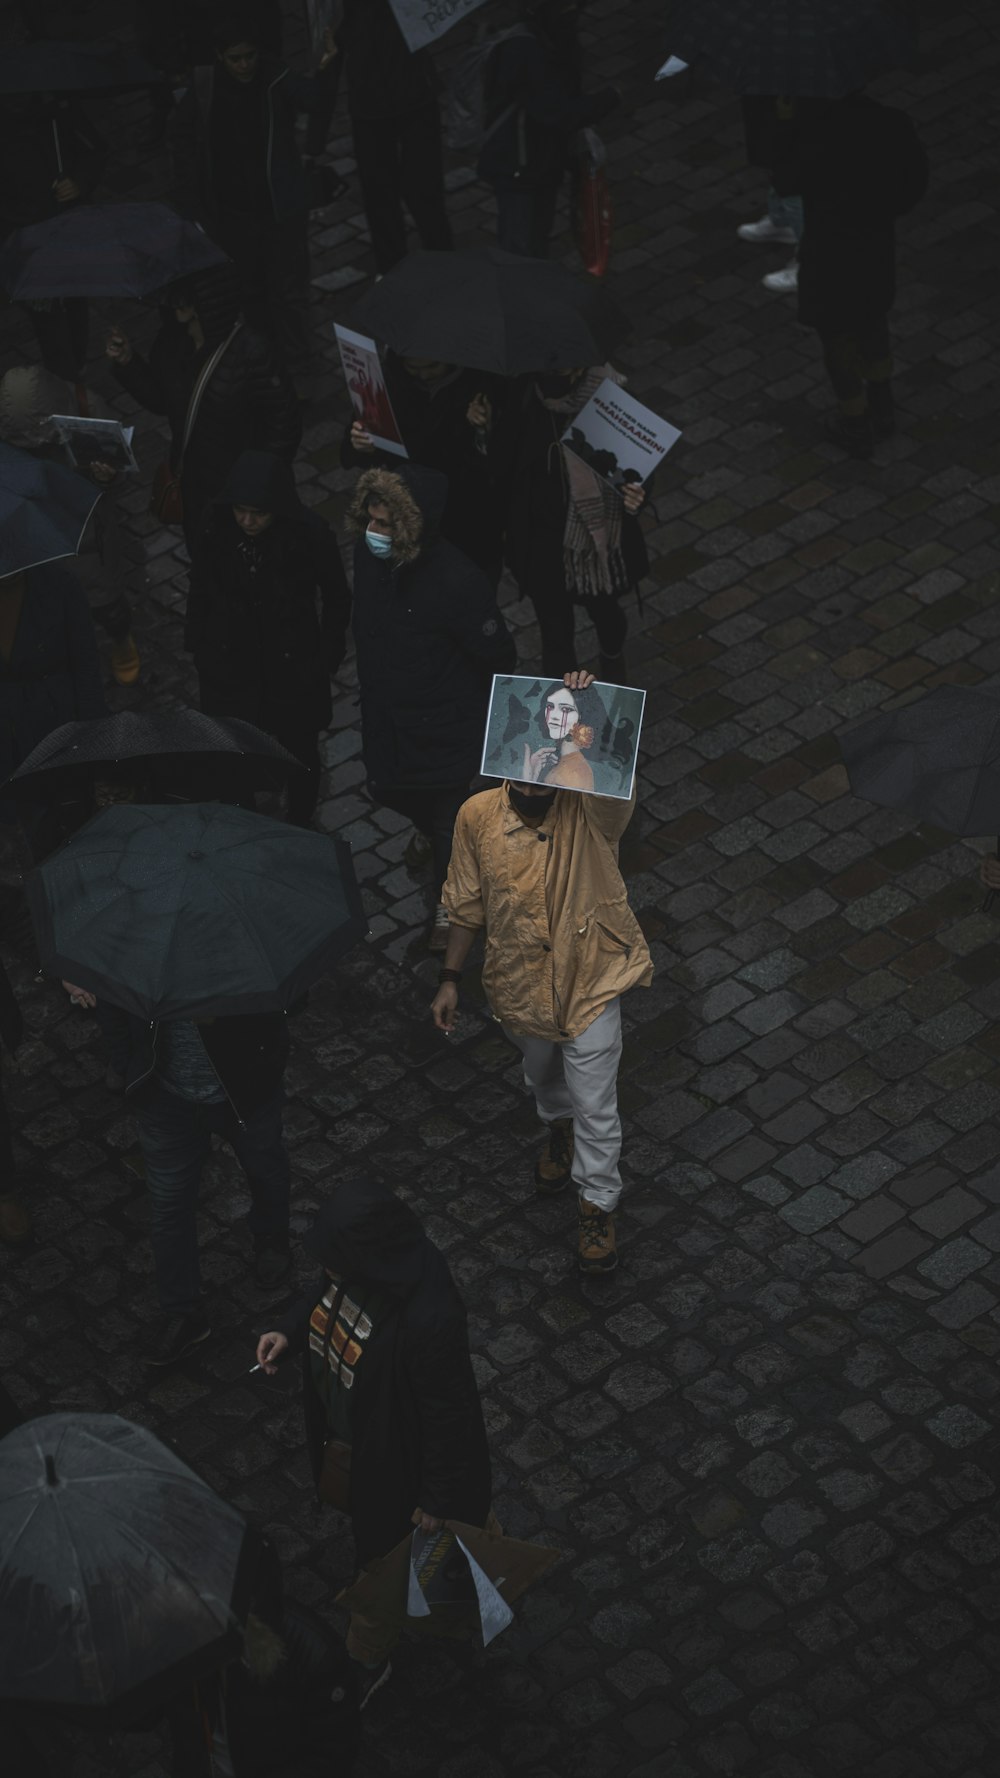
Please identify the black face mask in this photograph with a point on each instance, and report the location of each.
(531, 805)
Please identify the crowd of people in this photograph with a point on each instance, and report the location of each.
(394, 1426)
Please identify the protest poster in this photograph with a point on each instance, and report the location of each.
(540, 732)
(422, 21)
(95, 441)
(366, 386)
(618, 438)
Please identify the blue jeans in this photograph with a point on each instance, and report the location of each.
(175, 1136)
(785, 212)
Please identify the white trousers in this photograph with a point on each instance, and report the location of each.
(578, 1079)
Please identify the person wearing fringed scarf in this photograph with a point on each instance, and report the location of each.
(571, 538)
(394, 1425)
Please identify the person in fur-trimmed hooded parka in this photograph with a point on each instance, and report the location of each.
(429, 638)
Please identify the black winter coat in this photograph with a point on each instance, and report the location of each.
(857, 165)
(542, 83)
(282, 96)
(249, 404)
(429, 638)
(538, 504)
(258, 641)
(418, 1437)
(54, 673)
(248, 1052)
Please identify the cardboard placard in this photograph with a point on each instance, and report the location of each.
(618, 438)
(366, 387)
(540, 732)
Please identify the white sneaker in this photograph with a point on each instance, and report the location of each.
(785, 281)
(767, 232)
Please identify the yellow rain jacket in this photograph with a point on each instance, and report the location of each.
(561, 939)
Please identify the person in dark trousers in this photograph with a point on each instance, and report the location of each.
(288, 1708)
(534, 107)
(451, 420)
(51, 157)
(186, 1080)
(429, 637)
(247, 401)
(15, 1223)
(267, 614)
(858, 165)
(49, 674)
(105, 560)
(396, 125)
(571, 538)
(238, 170)
(394, 1424)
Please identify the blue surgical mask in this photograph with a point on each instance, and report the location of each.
(379, 544)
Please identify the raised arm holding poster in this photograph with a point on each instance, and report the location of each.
(618, 438)
(365, 380)
(540, 732)
(422, 21)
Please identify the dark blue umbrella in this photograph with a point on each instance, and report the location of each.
(51, 65)
(44, 510)
(195, 911)
(124, 1576)
(104, 250)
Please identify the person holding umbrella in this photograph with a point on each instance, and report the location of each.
(261, 566)
(219, 384)
(394, 1425)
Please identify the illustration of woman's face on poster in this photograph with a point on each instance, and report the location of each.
(560, 713)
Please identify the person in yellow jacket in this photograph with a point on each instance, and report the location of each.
(536, 869)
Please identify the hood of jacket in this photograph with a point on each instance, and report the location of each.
(415, 500)
(264, 481)
(366, 1234)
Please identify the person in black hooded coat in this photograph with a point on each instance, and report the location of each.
(429, 638)
(388, 1383)
(248, 402)
(263, 650)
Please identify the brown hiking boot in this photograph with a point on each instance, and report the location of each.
(597, 1252)
(554, 1165)
(15, 1223)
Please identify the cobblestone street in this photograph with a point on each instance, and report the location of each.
(768, 1446)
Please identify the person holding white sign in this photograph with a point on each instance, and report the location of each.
(536, 869)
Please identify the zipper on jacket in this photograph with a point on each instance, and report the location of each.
(154, 1027)
(222, 1084)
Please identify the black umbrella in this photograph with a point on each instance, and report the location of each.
(806, 48)
(491, 311)
(104, 250)
(937, 759)
(182, 741)
(49, 65)
(194, 911)
(44, 510)
(124, 1576)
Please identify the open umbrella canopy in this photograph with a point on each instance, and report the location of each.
(174, 743)
(805, 48)
(123, 1575)
(492, 311)
(51, 65)
(44, 510)
(104, 250)
(194, 911)
(937, 759)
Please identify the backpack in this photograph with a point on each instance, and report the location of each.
(463, 111)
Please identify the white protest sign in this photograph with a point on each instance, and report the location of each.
(422, 21)
(366, 387)
(618, 438)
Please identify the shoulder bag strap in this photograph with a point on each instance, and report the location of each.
(204, 378)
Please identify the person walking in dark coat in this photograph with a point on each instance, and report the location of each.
(534, 108)
(263, 650)
(51, 158)
(858, 165)
(429, 637)
(571, 538)
(239, 172)
(396, 125)
(246, 401)
(186, 1080)
(452, 420)
(394, 1425)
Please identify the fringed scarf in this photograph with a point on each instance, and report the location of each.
(592, 540)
